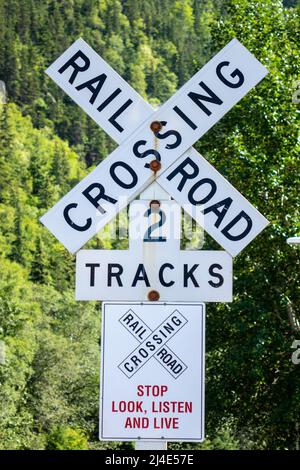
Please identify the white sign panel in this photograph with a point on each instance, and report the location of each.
(150, 226)
(152, 384)
(194, 109)
(125, 275)
(213, 202)
(98, 89)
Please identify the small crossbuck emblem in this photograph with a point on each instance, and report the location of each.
(153, 343)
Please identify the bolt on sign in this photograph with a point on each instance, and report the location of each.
(152, 384)
(184, 118)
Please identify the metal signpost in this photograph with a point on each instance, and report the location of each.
(152, 387)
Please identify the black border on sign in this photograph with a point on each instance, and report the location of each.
(202, 385)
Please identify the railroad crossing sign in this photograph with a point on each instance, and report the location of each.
(140, 401)
(154, 262)
(153, 389)
(182, 120)
(153, 343)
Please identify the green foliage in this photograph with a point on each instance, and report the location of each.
(49, 380)
(250, 375)
(152, 44)
(67, 439)
(50, 373)
(221, 439)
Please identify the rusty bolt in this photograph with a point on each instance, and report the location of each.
(153, 295)
(156, 126)
(155, 165)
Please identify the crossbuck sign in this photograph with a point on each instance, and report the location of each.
(153, 343)
(152, 384)
(228, 217)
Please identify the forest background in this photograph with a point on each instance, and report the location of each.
(49, 344)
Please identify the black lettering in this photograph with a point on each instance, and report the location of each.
(128, 367)
(240, 236)
(113, 118)
(212, 98)
(176, 321)
(160, 275)
(117, 180)
(225, 203)
(157, 339)
(143, 353)
(101, 195)
(117, 274)
(189, 274)
(79, 228)
(144, 154)
(141, 275)
(167, 134)
(134, 325)
(167, 359)
(93, 267)
(109, 99)
(217, 275)
(236, 73)
(128, 318)
(150, 346)
(100, 79)
(185, 175)
(77, 68)
(135, 360)
(141, 332)
(178, 368)
(185, 117)
(212, 192)
(169, 328)
(162, 353)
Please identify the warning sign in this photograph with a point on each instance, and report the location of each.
(152, 383)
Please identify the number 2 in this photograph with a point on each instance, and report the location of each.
(160, 223)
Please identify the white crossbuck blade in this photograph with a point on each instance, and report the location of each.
(226, 215)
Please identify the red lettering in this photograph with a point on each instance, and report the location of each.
(151, 390)
(166, 423)
(130, 406)
(137, 423)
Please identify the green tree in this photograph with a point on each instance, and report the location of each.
(66, 439)
(49, 376)
(256, 147)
